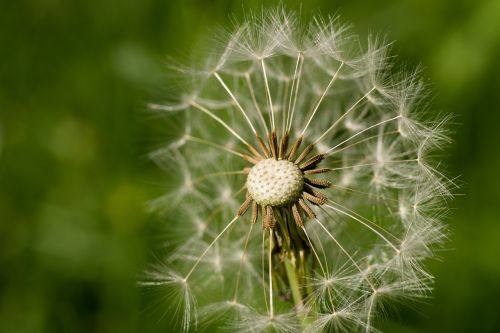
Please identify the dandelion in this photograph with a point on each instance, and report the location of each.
(301, 195)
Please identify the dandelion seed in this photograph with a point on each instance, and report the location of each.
(295, 129)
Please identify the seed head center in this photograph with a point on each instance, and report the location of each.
(275, 182)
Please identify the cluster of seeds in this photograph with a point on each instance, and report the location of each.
(335, 150)
(275, 182)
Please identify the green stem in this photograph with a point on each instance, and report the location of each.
(292, 280)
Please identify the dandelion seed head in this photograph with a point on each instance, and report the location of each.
(275, 182)
(304, 180)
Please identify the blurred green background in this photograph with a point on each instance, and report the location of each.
(74, 79)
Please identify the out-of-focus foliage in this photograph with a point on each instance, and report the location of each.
(74, 79)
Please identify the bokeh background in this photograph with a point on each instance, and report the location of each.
(74, 134)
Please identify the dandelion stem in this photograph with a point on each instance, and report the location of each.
(263, 252)
(369, 314)
(291, 268)
(270, 267)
